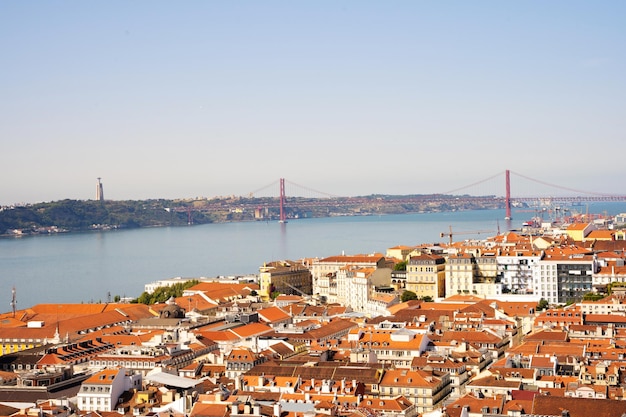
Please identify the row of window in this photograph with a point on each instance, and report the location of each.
(91, 388)
(129, 364)
(422, 269)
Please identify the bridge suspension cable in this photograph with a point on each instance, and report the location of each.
(474, 184)
(561, 187)
(272, 184)
(312, 190)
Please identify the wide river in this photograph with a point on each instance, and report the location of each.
(93, 266)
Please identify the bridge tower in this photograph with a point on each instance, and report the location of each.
(507, 202)
(283, 218)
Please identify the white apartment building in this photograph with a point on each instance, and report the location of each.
(324, 272)
(459, 274)
(469, 274)
(353, 287)
(356, 288)
(152, 286)
(515, 267)
(609, 273)
(101, 391)
(613, 304)
(563, 276)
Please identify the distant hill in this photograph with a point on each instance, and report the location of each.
(80, 215)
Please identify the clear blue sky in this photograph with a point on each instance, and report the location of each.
(206, 98)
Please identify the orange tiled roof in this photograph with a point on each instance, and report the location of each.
(396, 404)
(355, 259)
(241, 355)
(273, 315)
(577, 407)
(409, 379)
(219, 336)
(252, 329)
(475, 404)
(601, 234)
(106, 377)
(577, 226)
(213, 410)
(462, 298)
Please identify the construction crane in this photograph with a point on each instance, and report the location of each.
(306, 296)
(450, 234)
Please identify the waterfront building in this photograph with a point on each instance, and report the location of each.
(324, 272)
(579, 231)
(284, 277)
(151, 287)
(400, 252)
(222, 292)
(426, 275)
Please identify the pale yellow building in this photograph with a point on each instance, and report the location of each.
(284, 277)
(579, 231)
(400, 252)
(425, 275)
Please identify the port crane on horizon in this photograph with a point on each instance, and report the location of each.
(450, 233)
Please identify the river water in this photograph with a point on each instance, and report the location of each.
(93, 266)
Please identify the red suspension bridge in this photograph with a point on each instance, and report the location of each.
(494, 192)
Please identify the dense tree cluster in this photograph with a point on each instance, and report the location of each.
(400, 266)
(162, 294)
(407, 296)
